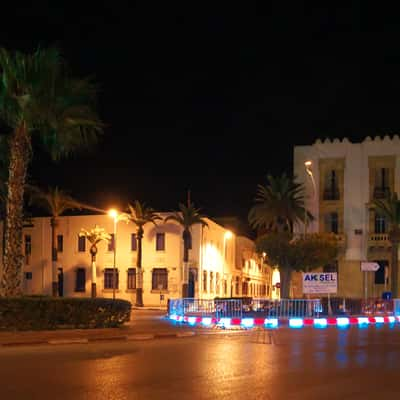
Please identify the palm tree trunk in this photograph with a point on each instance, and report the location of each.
(139, 286)
(285, 275)
(394, 276)
(54, 257)
(94, 289)
(13, 261)
(185, 283)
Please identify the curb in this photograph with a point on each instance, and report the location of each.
(125, 338)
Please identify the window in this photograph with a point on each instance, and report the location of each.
(380, 223)
(28, 248)
(159, 279)
(131, 284)
(109, 278)
(111, 243)
(332, 223)
(28, 276)
(81, 243)
(80, 282)
(331, 191)
(237, 286)
(381, 188)
(205, 281)
(60, 243)
(133, 242)
(160, 241)
(245, 287)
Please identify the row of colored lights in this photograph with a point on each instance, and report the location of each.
(292, 322)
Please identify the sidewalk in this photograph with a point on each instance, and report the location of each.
(144, 325)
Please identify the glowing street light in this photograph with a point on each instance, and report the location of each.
(308, 165)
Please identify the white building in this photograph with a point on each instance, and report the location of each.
(221, 264)
(345, 177)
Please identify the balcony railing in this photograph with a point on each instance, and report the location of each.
(331, 194)
(381, 192)
(378, 240)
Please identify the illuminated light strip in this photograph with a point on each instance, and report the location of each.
(391, 319)
(173, 317)
(185, 318)
(247, 322)
(308, 321)
(398, 318)
(236, 321)
(258, 321)
(379, 320)
(342, 321)
(206, 321)
(192, 320)
(225, 322)
(331, 321)
(320, 322)
(179, 318)
(371, 320)
(296, 323)
(271, 322)
(363, 320)
(353, 320)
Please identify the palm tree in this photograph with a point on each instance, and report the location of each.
(140, 215)
(55, 202)
(186, 218)
(390, 209)
(279, 205)
(37, 98)
(94, 236)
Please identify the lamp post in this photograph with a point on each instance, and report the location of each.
(227, 236)
(308, 165)
(114, 214)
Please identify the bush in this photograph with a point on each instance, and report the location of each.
(42, 312)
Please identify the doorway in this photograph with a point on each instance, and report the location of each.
(60, 282)
(191, 283)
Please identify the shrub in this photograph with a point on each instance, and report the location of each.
(41, 312)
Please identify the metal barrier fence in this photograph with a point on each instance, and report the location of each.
(283, 308)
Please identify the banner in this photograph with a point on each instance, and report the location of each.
(319, 282)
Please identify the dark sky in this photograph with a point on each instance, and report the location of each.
(211, 97)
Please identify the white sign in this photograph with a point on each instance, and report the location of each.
(369, 266)
(319, 282)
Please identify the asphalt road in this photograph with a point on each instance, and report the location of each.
(302, 364)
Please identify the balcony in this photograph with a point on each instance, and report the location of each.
(378, 240)
(331, 194)
(381, 192)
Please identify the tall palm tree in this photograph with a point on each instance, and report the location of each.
(390, 209)
(186, 218)
(94, 236)
(140, 215)
(38, 98)
(55, 202)
(279, 205)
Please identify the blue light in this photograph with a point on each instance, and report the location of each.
(342, 321)
(320, 322)
(296, 323)
(248, 322)
(271, 322)
(206, 321)
(391, 319)
(363, 320)
(173, 317)
(192, 320)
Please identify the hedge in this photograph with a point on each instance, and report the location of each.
(41, 312)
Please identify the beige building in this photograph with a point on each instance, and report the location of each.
(344, 178)
(221, 263)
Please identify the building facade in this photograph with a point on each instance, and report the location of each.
(342, 180)
(221, 264)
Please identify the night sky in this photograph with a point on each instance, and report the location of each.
(210, 97)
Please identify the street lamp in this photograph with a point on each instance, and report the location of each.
(227, 235)
(114, 215)
(308, 165)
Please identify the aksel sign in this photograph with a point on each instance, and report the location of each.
(319, 282)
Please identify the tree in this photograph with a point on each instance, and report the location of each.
(55, 202)
(38, 98)
(390, 209)
(186, 218)
(94, 236)
(279, 205)
(301, 254)
(139, 214)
